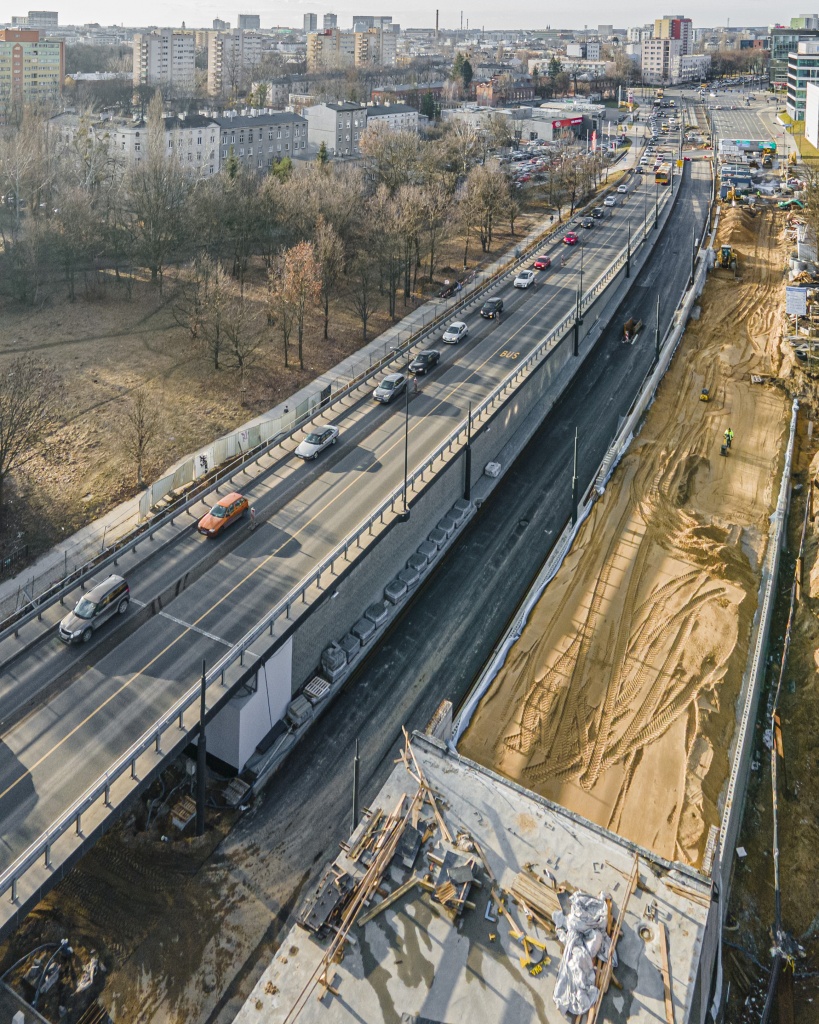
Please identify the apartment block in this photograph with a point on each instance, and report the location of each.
(45, 20)
(330, 49)
(232, 60)
(330, 21)
(310, 22)
(338, 125)
(32, 68)
(260, 140)
(395, 117)
(657, 58)
(675, 26)
(165, 59)
(249, 22)
(375, 47)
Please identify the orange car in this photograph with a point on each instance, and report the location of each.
(225, 512)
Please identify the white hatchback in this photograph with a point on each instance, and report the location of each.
(316, 442)
(455, 332)
(524, 279)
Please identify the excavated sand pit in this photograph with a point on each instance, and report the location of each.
(618, 701)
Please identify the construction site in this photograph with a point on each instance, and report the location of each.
(618, 702)
(583, 808)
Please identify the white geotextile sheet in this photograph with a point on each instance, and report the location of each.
(583, 934)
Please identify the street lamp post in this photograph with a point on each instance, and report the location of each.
(628, 250)
(405, 512)
(656, 204)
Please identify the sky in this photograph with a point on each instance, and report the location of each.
(486, 13)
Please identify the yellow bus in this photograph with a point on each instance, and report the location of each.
(662, 176)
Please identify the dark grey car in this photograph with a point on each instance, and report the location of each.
(108, 598)
(425, 361)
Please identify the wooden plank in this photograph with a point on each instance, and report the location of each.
(669, 1005)
(388, 901)
(618, 927)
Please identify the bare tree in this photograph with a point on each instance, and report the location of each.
(30, 401)
(142, 425)
(362, 290)
(216, 298)
(330, 255)
(158, 193)
(242, 337)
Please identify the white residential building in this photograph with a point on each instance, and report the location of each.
(397, 117)
(658, 60)
(166, 59)
(232, 60)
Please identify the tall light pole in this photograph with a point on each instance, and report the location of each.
(628, 251)
(405, 512)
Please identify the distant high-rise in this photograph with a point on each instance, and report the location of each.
(221, 26)
(165, 58)
(31, 66)
(37, 19)
(310, 22)
(330, 21)
(675, 26)
(250, 22)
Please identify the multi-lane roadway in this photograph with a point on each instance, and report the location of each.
(57, 739)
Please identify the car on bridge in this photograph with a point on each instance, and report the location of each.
(524, 279)
(97, 606)
(570, 238)
(542, 263)
(425, 361)
(226, 511)
(316, 441)
(390, 387)
(622, 189)
(489, 310)
(455, 332)
(610, 201)
(587, 222)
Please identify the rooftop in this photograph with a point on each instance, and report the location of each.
(464, 867)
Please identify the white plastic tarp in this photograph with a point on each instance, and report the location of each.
(583, 934)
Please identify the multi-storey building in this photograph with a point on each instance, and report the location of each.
(330, 49)
(784, 41)
(32, 68)
(330, 21)
(338, 126)
(310, 22)
(375, 47)
(249, 22)
(232, 60)
(396, 117)
(165, 59)
(803, 67)
(45, 20)
(258, 141)
(658, 58)
(220, 26)
(675, 26)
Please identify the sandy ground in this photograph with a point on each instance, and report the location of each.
(618, 701)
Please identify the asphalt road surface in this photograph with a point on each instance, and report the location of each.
(67, 714)
(440, 643)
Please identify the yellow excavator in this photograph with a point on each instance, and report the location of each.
(728, 257)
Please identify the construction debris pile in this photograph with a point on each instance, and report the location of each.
(411, 853)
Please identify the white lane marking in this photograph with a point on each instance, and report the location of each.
(196, 629)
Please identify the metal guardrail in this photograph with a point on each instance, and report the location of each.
(72, 818)
(34, 607)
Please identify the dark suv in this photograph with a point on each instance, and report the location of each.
(492, 308)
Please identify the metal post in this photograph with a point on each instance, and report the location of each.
(628, 252)
(201, 754)
(574, 481)
(657, 334)
(656, 205)
(356, 768)
(406, 447)
(693, 254)
(468, 457)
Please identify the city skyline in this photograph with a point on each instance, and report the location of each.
(480, 15)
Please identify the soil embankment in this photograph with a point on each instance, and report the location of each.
(618, 701)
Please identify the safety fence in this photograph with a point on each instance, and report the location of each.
(216, 678)
(205, 471)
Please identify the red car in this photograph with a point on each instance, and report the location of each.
(542, 263)
(570, 238)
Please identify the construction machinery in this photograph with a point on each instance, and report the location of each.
(728, 257)
(705, 395)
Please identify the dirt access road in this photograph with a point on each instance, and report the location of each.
(618, 701)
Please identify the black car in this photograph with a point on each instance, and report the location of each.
(492, 308)
(598, 213)
(587, 222)
(425, 361)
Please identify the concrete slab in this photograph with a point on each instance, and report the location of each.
(413, 960)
